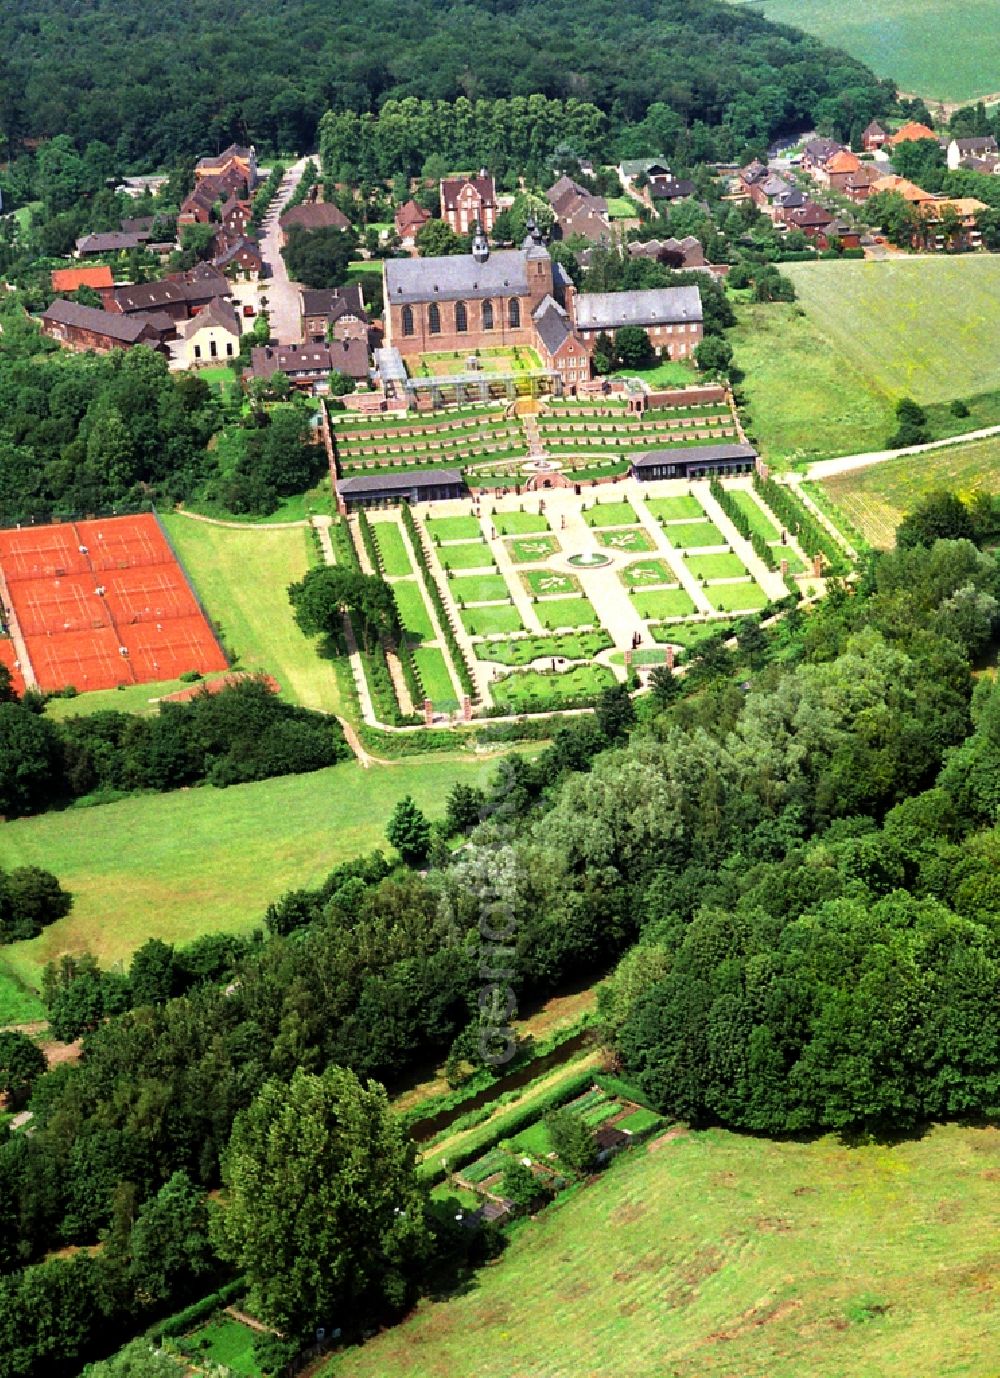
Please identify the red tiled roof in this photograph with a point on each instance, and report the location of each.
(70, 279)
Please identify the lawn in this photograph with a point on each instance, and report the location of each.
(177, 865)
(666, 374)
(534, 1142)
(230, 1343)
(413, 612)
(749, 597)
(389, 539)
(519, 523)
(927, 328)
(129, 698)
(242, 577)
(556, 613)
(808, 400)
(521, 691)
(454, 529)
(492, 621)
(466, 555)
(659, 604)
(524, 649)
(720, 1254)
(875, 500)
(547, 582)
(611, 514)
(689, 636)
(642, 572)
(694, 535)
(683, 508)
(525, 552)
(434, 677)
(934, 48)
(519, 359)
(634, 541)
(759, 521)
(479, 588)
(621, 208)
(726, 566)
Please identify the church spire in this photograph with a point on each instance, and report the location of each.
(480, 244)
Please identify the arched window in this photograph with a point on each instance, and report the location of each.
(487, 315)
(514, 313)
(461, 317)
(407, 320)
(434, 318)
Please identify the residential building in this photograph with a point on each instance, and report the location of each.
(179, 295)
(578, 213)
(874, 137)
(236, 158)
(673, 253)
(558, 345)
(313, 215)
(632, 168)
(811, 219)
(817, 152)
(109, 242)
(85, 328)
(671, 316)
(469, 201)
(212, 335)
(235, 215)
(839, 164)
(963, 212)
(308, 366)
(910, 133)
(337, 313)
(909, 191)
(669, 189)
(958, 150)
(409, 220)
(238, 256)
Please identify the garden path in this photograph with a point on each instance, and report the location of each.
(672, 556)
(770, 580)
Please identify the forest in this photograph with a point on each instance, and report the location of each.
(789, 867)
(161, 83)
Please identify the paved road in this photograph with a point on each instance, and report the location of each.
(828, 468)
(282, 294)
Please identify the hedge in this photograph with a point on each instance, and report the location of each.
(185, 1320)
(458, 659)
(793, 514)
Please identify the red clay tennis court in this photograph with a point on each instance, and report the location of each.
(8, 657)
(103, 602)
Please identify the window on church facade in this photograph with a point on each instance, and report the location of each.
(461, 318)
(407, 320)
(487, 315)
(434, 318)
(514, 313)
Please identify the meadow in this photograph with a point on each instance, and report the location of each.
(242, 577)
(933, 48)
(175, 866)
(874, 500)
(716, 1254)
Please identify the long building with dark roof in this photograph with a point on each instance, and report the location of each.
(87, 328)
(694, 461)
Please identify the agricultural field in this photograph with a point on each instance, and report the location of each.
(932, 48)
(714, 1254)
(175, 866)
(874, 500)
(242, 577)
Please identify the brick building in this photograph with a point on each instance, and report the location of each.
(335, 311)
(236, 158)
(469, 201)
(671, 316)
(559, 346)
(83, 328)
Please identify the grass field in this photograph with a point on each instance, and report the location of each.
(693, 535)
(524, 649)
(230, 1343)
(242, 578)
(685, 507)
(519, 523)
(875, 500)
(18, 1004)
(658, 604)
(548, 582)
(632, 541)
(466, 555)
(395, 560)
(558, 613)
(928, 328)
(611, 514)
(479, 588)
(759, 521)
(669, 373)
(748, 597)
(725, 566)
(454, 529)
(621, 208)
(718, 1255)
(492, 621)
(932, 48)
(413, 612)
(177, 865)
(643, 572)
(434, 677)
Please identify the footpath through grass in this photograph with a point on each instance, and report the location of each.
(175, 866)
(242, 578)
(716, 1255)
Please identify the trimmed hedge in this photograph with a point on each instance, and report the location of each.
(458, 659)
(812, 537)
(198, 1311)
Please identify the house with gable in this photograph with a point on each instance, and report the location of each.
(469, 201)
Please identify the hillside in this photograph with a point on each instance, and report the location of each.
(160, 83)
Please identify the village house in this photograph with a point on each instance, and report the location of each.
(578, 213)
(109, 242)
(179, 295)
(874, 137)
(671, 316)
(560, 348)
(811, 219)
(308, 366)
(86, 328)
(981, 149)
(962, 212)
(909, 191)
(313, 215)
(235, 216)
(819, 151)
(469, 201)
(409, 220)
(234, 158)
(910, 133)
(668, 189)
(212, 335)
(334, 313)
(238, 256)
(631, 170)
(97, 278)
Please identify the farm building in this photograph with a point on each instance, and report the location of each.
(85, 328)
